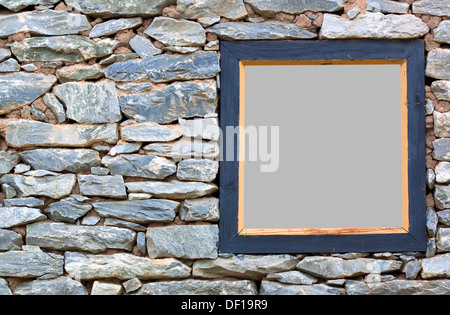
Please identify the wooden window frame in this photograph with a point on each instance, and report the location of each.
(410, 56)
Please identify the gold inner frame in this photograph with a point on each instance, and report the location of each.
(327, 231)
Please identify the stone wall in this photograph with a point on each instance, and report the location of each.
(95, 198)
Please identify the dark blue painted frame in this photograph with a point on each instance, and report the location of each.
(410, 50)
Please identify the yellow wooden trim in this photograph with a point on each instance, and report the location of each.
(323, 231)
(320, 62)
(241, 146)
(405, 157)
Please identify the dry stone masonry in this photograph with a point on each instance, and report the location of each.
(104, 191)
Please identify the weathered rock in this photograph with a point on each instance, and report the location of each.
(436, 267)
(139, 196)
(21, 168)
(270, 8)
(398, 287)
(116, 8)
(135, 165)
(144, 47)
(4, 288)
(70, 48)
(182, 49)
(94, 239)
(387, 6)
(259, 31)
(47, 22)
(412, 269)
(441, 124)
(432, 7)
(198, 170)
(187, 99)
(185, 148)
(114, 26)
(443, 240)
(102, 186)
(124, 224)
(442, 32)
(373, 26)
(4, 53)
(166, 68)
(292, 277)
(17, 5)
(149, 132)
(118, 58)
(55, 107)
(8, 160)
(172, 189)
(244, 266)
(106, 288)
(441, 89)
(444, 217)
(123, 267)
(139, 211)
(199, 287)
(55, 187)
(132, 285)
(141, 242)
(173, 32)
(79, 73)
(432, 222)
(69, 209)
(37, 114)
(275, 288)
(90, 221)
(183, 241)
(61, 286)
(231, 9)
(442, 197)
(135, 87)
(10, 240)
(438, 64)
(335, 268)
(201, 209)
(60, 160)
(31, 264)
(10, 65)
(19, 89)
(16, 216)
(29, 202)
(28, 133)
(123, 148)
(95, 103)
(8, 191)
(443, 173)
(207, 128)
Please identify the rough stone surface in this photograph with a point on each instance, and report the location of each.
(442, 196)
(443, 240)
(55, 187)
(149, 132)
(438, 266)
(231, 9)
(443, 173)
(4, 54)
(31, 264)
(27, 133)
(259, 31)
(207, 128)
(292, 277)
(10, 65)
(199, 287)
(173, 32)
(79, 73)
(166, 68)
(135, 165)
(275, 288)
(29, 202)
(387, 6)
(61, 286)
(244, 266)
(4, 288)
(139, 211)
(183, 241)
(55, 106)
(441, 124)
(17, 5)
(10, 240)
(123, 267)
(124, 224)
(19, 89)
(122, 148)
(198, 170)
(69, 209)
(373, 26)
(438, 64)
(118, 58)
(144, 47)
(398, 287)
(8, 160)
(441, 89)
(432, 7)
(106, 288)
(132, 285)
(271, 8)
(200, 209)
(444, 217)
(114, 26)
(172, 189)
(102, 186)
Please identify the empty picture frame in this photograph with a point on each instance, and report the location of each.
(323, 147)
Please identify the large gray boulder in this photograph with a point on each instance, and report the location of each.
(32, 264)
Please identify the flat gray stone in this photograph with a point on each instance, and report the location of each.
(8, 160)
(124, 224)
(270, 8)
(112, 27)
(441, 124)
(123, 266)
(442, 197)
(29, 202)
(387, 6)
(230, 9)
(443, 240)
(55, 187)
(10, 65)
(199, 287)
(276, 288)
(184, 149)
(135, 165)
(132, 285)
(69, 209)
(55, 107)
(19, 89)
(442, 32)
(4, 288)
(4, 54)
(436, 267)
(106, 288)
(135, 87)
(139, 211)
(10, 240)
(201, 209)
(37, 114)
(60, 160)
(249, 267)
(207, 128)
(172, 189)
(118, 58)
(398, 287)
(47, 22)
(31, 264)
(144, 47)
(411, 269)
(94, 239)
(432, 7)
(444, 217)
(259, 31)
(443, 173)
(182, 49)
(70, 48)
(116, 8)
(102, 186)
(438, 64)
(149, 132)
(94, 103)
(441, 89)
(336, 268)
(61, 286)
(183, 241)
(198, 170)
(8, 191)
(166, 68)
(432, 222)
(292, 277)
(124, 148)
(28, 133)
(17, 5)
(79, 73)
(373, 26)
(186, 99)
(173, 32)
